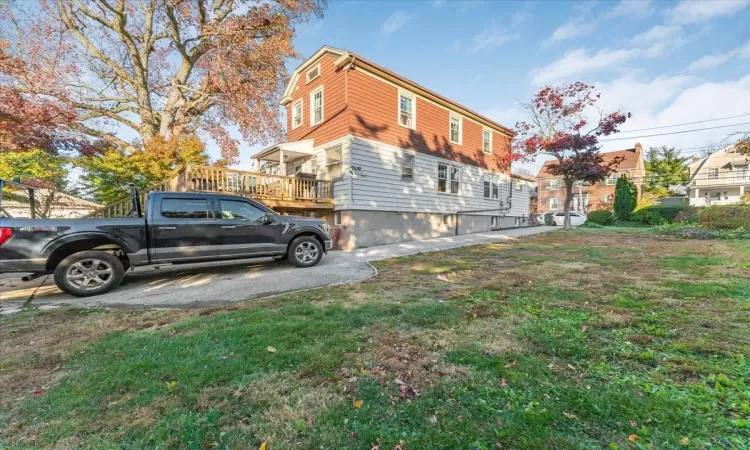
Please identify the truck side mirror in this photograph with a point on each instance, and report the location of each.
(267, 219)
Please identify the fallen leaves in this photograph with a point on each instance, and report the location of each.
(633, 438)
(358, 404)
(38, 391)
(264, 446)
(271, 349)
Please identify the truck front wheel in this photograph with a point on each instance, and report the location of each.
(305, 251)
(88, 273)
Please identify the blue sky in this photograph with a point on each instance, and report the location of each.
(666, 62)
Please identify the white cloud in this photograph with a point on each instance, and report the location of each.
(690, 11)
(490, 38)
(569, 30)
(709, 61)
(658, 33)
(395, 22)
(673, 100)
(438, 3)
(631, 8)
(715, 60)
(582, 61)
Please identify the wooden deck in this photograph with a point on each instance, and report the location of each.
(274, 191)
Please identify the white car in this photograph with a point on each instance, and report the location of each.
(576, 218)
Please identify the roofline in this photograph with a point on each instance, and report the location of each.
(431, 95)
(304, 65)
(524, 177)
(389, 75)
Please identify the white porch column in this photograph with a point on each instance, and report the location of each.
(282, 164)
(742, 191)
(696, 193)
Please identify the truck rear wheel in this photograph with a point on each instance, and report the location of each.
(88, 273)
(305, 251)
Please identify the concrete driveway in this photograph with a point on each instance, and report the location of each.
(231, 281)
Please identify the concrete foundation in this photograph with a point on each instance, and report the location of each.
(361, 229)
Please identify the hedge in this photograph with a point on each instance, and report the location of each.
(601, 217)
(659, 214)
(725, 217)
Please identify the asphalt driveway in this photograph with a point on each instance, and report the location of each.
(231, 281)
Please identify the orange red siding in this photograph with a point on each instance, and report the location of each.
(359, 104)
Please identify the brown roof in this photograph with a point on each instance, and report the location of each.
(629, 162)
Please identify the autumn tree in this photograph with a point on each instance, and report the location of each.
(558, 126)
(158, 67)
(107, 176)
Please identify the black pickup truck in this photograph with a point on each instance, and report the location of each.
(90, 256)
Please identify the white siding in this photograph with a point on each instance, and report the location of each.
(377, 184)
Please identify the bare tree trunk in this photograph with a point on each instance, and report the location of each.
(566, 207)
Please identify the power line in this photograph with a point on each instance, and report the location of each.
(686, 123)
(673, 132)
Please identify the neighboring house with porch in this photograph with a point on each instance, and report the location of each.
(403, 162)
(588, 197)
(49, 204)
(721, 178)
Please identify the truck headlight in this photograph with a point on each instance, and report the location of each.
(326, 228)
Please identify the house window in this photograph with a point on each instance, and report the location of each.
(449, 178)
(553, 184)
(554, 203)
(493, 222)
(610, 180)
(495, 188)
(447, 220)
(316, 106)
(519, 186)
(313, 73)
(487, 183)
(741, 174)
(713, 174)
(333, 162)
(337, 218)
(487, 141)
(456, 129)
(407, 167)
(406, 111)
(297, 114)
(715, 195)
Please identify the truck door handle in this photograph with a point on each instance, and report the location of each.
(167, 228)
(229, 226)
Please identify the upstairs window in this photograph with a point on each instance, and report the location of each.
(406, 110)
(713, 174)
(313, 73)
(297, 114)
(316, 106)
(553, 184)
(407, 167)
(519, 186)
(487, 141)
(333, 162)
(456, 130)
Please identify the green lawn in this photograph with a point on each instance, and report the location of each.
(587, 339)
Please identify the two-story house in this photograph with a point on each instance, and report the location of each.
(721, 178)
(404, 162)
(587, 197)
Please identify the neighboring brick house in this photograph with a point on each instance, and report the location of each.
(551, 190)
(405, 162)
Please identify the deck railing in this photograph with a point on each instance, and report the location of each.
(255, 185)
(722, 178)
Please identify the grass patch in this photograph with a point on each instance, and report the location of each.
(585, 339)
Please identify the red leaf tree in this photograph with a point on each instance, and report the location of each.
(556, 124)
(158, 67)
